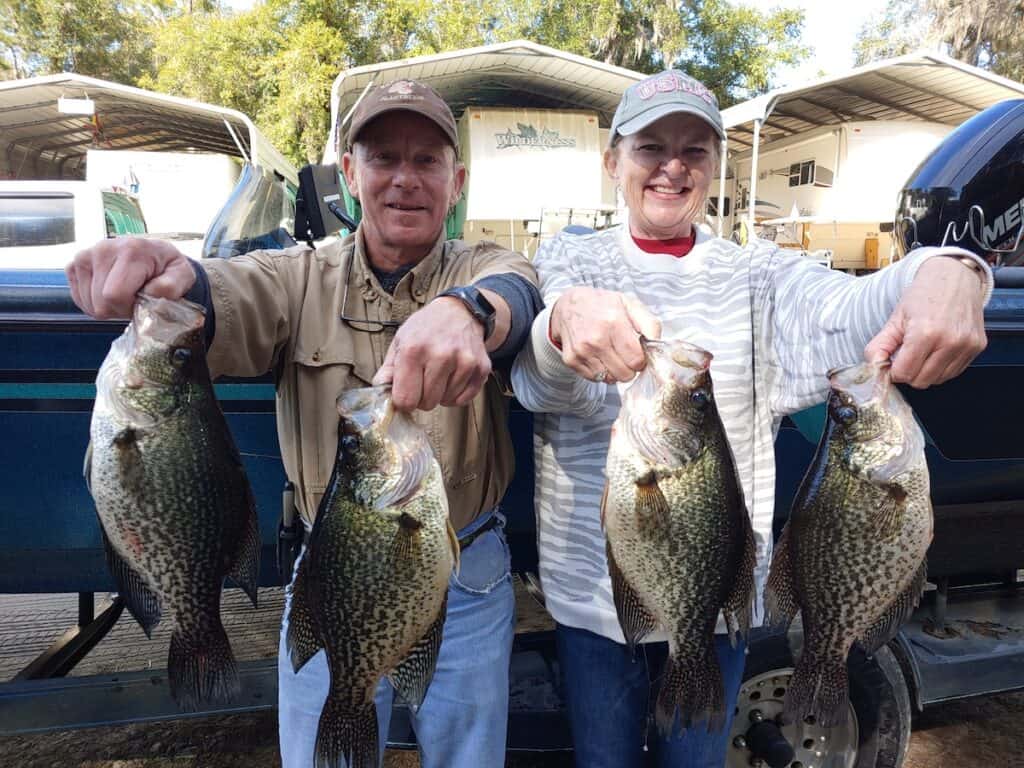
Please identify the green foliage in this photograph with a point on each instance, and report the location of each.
(276, 62)
(736, 49)
(102, 38)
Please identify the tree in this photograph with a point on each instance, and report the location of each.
(102, 38)
(985, 33)
(903, 27)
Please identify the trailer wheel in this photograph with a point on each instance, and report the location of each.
(876, 734)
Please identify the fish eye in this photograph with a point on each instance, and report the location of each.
(350, 443)
(180, 357)
(700, 397)
(847, 414)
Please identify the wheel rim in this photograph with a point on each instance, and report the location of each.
(815, 747)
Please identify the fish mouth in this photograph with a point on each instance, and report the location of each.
(682, 353)
(164, 320)
(365, 408)
(864, 381)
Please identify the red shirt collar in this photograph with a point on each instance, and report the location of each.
(676, 246)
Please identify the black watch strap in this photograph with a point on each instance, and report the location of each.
(477, 304)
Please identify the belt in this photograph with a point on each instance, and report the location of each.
(469, 538)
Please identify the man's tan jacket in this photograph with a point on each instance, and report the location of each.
(280, 311)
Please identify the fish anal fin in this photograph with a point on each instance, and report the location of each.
(413, 675)
(453, 539)
(888, 624)
(635, 620)
(780, 599)
(303, 639)
(245, 567)
(651, 507)
(738, 608)
(141, 602)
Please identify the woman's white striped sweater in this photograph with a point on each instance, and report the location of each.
(775, 322)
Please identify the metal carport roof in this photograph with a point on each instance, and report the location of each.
(514, 74)
(919, 86)
(32, 129)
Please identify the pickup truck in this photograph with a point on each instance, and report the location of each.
(964, 639)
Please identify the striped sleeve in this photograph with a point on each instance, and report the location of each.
(818, 318)
(542, 382)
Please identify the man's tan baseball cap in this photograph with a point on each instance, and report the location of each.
(408, 95)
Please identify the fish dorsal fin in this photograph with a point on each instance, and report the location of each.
(413, 675)
(780, 601)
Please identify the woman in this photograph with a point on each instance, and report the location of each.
(775, 323)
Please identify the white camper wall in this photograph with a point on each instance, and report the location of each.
(524, 160)
(178, 191)
(773, 164)
(878, 158)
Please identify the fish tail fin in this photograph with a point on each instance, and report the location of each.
(819, 688)
(201, 670)
(695, 690)
(346, 738)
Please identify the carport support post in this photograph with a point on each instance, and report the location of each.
(753, 178)
(722, 149)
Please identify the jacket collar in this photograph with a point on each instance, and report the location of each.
(366, 281)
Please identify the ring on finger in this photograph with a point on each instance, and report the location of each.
(601, 376)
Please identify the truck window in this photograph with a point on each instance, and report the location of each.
(123, 215)
(36, 218)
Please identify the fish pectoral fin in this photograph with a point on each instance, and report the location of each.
(887, 625)
(406, 533)
(303, 638)
(739, 605)
(888, 513)
(412, 677)
(129, 462)
(141, 602)
(635, 620)
(245, 566)
(651, 507)
(780, 601)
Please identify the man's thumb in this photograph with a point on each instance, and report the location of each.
(644, 321)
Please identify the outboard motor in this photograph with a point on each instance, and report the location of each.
(970, 190)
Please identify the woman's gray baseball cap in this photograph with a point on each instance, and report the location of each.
(666, 93)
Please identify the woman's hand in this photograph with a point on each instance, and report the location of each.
(599, 333)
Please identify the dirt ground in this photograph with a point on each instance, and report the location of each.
(979, 732)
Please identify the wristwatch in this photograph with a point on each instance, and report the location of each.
(477, 304)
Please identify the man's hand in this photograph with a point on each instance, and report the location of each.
(105, 278)
(938, 327)
(437, 357)
(599, 333)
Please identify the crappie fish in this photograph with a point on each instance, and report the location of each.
(851, 559)
(175, 507)
(679, 541)
(372, 585)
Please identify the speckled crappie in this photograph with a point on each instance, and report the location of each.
(372, 584)
(174, 504)
(679, 541)
(851, 559)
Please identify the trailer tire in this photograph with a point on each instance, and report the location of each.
(878, 695)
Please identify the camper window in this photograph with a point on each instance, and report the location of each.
(801, 173)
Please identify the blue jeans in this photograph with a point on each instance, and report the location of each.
(464, 717)
(609, 694)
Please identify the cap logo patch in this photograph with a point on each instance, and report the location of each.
(401, 88)
(671, 82)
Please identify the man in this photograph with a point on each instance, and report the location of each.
(394, 302)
